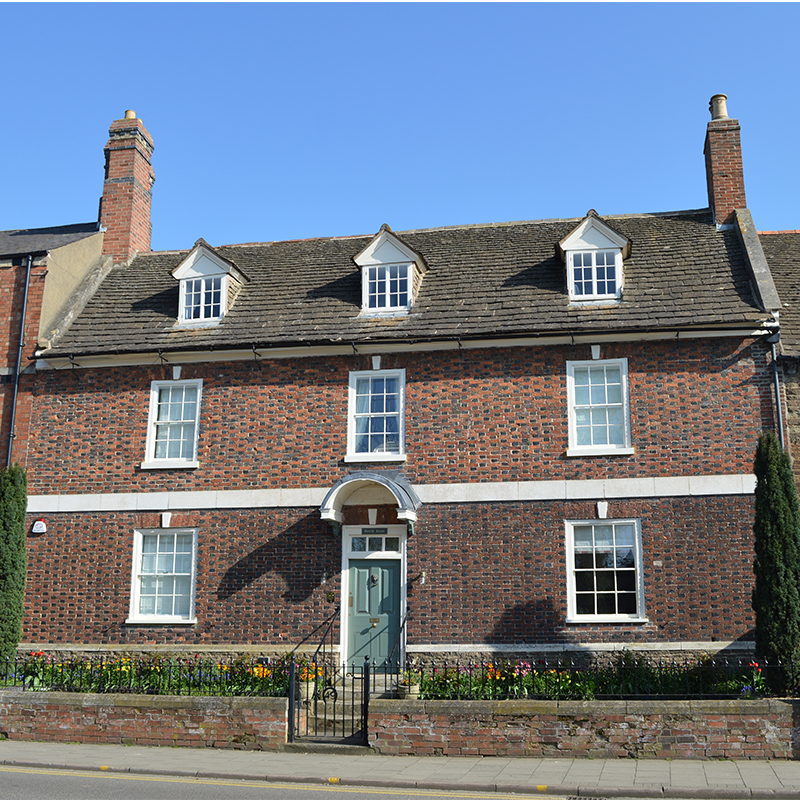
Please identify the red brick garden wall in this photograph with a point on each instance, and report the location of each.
(253, 723)
(751, 729)
(743, 729)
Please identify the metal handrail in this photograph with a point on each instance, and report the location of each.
(406, 617)
(328, 630)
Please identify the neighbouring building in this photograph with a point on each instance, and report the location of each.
(516, 437)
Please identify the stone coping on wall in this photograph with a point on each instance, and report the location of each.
(740, 706)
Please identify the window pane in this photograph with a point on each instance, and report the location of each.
(605, 582)
(147, 604)
(584, 560)
(359, 544)
(183, 563)
(626, 581)
(392, 544)
(584, 581)
(375, 544)
(604, 559)
(624, 535)
(624, 559)
(584, 603)
(626, 603)
(603, 536)
(149, 544)
(182, 605)
(606, 604)
(583, 537)
(598, 394)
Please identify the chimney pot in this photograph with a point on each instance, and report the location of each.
(718, 106)
(129, 114)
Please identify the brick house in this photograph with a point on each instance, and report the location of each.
(782, 250)
(518, 437)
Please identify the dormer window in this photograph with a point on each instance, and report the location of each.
(593, 273)
(594, 254)
(387, 287)
(201, 298)
(390, 275)
(209, 284)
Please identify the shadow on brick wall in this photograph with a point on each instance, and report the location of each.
(533, 622)
(299, 554)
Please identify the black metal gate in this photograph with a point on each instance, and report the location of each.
(329, 702)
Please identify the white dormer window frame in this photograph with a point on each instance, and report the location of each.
(595, 274)
(387, 287)
(390, 275)
(594, 255)
(205, 287)
(203, 300)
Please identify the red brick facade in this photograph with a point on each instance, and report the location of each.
(495, 571)
(697, 407)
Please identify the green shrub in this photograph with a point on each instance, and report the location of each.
(13, 561)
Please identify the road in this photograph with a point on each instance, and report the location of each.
(29, 783)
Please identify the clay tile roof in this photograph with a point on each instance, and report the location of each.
(782, 251)
(496, 280)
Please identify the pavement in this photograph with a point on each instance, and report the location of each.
(595, 778)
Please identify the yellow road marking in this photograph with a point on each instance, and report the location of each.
(384, 791)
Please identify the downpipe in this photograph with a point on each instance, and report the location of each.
(12, 424)
(772, 340)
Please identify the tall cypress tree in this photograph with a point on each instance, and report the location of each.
(13, 558)
(776, 594)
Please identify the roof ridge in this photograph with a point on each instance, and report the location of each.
(696, 211)
(466, 226)
(767, 233)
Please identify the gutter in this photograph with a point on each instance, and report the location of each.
(247, 350)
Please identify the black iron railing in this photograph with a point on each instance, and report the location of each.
(147, 675)
(625, 676)
(324, 680)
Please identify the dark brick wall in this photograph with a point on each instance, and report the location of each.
(496, 573)
(697, 407)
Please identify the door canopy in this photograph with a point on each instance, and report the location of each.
(371, 488)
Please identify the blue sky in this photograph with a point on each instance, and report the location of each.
(276, 121)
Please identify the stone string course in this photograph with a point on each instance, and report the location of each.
(703, 729)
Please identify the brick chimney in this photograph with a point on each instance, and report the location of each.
(724, 172)
(127, 190)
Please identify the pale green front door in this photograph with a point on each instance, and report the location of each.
(373, 620)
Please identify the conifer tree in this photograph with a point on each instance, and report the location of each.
(13, 559)
(776, 594)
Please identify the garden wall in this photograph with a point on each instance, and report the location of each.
(251, 723)
(698, 729)
(743, 729)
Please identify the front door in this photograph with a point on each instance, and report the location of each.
(373, 622)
